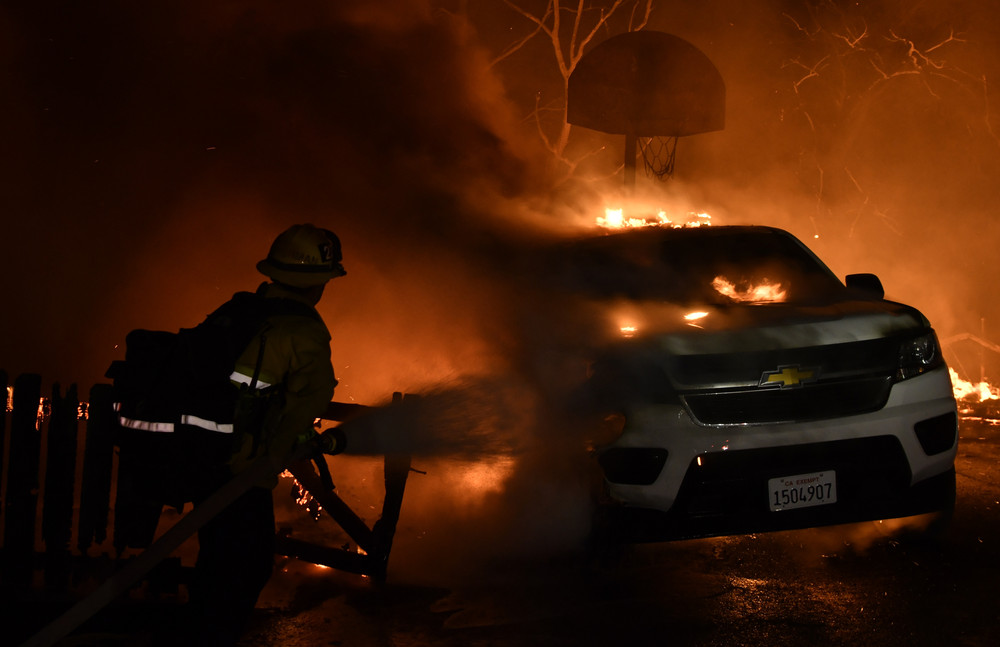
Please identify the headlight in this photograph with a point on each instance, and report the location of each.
(917, 356)
(617, 382)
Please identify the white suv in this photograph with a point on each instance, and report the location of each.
(755, 391)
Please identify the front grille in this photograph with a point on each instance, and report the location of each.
(835, 361)
(759, 405)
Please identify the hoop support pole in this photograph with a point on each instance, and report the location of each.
(630, 140)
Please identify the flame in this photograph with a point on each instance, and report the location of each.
(701, 220)
(612, 218)
(763, 292)
(965, 390)
(628, 331)
(692, 317)
(615, 219)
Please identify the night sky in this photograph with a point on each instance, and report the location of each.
(151, 152)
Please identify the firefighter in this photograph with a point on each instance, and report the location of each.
(236, 548)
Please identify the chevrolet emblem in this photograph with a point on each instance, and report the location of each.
(787, 376)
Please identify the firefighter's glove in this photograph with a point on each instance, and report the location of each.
(333, 441)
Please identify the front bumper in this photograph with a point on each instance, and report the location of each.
(714, 480)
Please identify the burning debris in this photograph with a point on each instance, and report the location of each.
(967, 391)
(981, 400)
(615, 219)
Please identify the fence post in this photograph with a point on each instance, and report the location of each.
(22, 483)
(60, 482)
(95, 492)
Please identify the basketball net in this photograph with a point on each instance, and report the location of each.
(658, 154)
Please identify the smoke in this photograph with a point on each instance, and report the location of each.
(471, 420)
(154, 150)
(166, 146)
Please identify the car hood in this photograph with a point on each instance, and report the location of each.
(747, 328)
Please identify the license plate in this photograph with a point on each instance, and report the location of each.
(802, 490)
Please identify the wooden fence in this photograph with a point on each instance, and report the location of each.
(46, 482)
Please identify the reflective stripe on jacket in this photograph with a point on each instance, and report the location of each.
(296, 358)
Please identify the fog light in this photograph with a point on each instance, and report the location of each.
(632, 465)
(937, 434)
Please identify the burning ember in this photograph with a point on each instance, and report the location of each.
(302, 497)
(763, 292)
(45, 408)
(44, 412)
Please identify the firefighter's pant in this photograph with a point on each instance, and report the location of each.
(235, 561)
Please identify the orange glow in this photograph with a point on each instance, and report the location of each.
(628, 331)
(763, 292)
(484, 477)
(695, 316)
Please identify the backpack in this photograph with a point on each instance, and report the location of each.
(180, 416)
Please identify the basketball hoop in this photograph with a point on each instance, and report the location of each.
(647, 82)
(658, 155)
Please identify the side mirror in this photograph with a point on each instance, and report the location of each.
(867, 283)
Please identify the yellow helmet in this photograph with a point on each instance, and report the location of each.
(303, 256)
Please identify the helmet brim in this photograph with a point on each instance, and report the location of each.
(299, 278)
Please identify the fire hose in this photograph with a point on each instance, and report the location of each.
(160, 549)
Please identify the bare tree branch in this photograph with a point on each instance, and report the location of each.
(632, 25)
(847, 56)
(570, 29)
(515, 46)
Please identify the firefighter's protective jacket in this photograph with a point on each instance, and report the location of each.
(295, 365)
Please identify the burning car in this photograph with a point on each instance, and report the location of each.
(752, 390)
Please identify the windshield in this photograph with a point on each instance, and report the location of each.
(721, 265)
